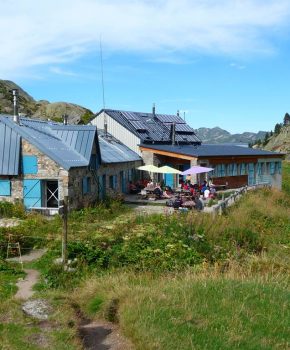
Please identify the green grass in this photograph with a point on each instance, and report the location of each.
(215, 314)
(135, 270)
(286, 177)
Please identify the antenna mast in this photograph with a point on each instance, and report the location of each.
(102, 69)
(103, 89)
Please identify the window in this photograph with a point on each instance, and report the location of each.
(243, 169)
(259, 168)
(278, 166)
(5, 188)
(113, 182)
(86, 185)
(29, 165)
(272, 168)
(235, 169)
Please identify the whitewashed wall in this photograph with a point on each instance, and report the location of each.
(118, 131)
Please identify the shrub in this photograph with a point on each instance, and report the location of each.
(9, 210)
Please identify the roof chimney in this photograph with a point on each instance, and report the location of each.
(177, 113)
(173, 134)
(15, 106)
(153, 110)
(65, 119)
(105, 124)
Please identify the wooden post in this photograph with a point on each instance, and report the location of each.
(64, 230)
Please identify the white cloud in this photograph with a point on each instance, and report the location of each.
(51, 32)
(237, 66)
(61, 71)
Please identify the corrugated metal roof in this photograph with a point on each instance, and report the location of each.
(69, 149)
(9, 150)
(205, 150)
(150, 128)
(113, 151)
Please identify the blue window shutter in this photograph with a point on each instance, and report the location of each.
(5, 188)
(235, 169)
(85, 185)
(259, 169)
(29, 165)
(222, 170)
(115, 182)
(279, 167)
(272, 168)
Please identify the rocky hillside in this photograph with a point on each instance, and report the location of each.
(218, 135)
(40, 109)
(280, 142)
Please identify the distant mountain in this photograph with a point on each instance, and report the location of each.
(41, 109)
(218, 135)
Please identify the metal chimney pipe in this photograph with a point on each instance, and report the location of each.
(153, 110)
(15, 106)
(177, 113)
(65, 119)
(173, 135)
(105, 124)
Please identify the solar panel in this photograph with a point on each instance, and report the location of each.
(183, 128)
(138, 125)
(130, 116)
(168, 118)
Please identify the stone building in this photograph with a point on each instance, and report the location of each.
(118, 165)
(163, 139)
(42, 161)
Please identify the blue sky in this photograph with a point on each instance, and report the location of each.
(222, 63)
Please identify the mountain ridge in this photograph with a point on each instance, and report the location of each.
(41, 109)
(45, 110)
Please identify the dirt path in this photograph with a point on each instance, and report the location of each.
(33, 255)
(25, 285)
(98, 335)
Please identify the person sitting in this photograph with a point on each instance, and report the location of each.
(192, 189)
(203, 187)
(198, 203)
(158, 191)
(167, 193)
(206, 193)
(212, 191)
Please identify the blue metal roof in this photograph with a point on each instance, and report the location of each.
(205, 150)
(113, 151)
(9, 151)
(68, 145)
(154, 128)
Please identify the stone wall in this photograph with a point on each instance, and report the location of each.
(47, 170)
(115, 169)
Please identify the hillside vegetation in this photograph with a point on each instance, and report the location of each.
(171, 282)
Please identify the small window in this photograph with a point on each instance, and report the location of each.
(272, 168)
(243, 169)
(5, 188)
(86, 185)
(29, 165)
(113, 182)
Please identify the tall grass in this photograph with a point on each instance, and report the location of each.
(198, 309)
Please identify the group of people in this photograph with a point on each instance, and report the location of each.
(206, 189)
(192, 195)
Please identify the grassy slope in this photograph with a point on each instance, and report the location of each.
(237, 298)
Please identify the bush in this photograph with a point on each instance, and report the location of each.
(9, 210)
